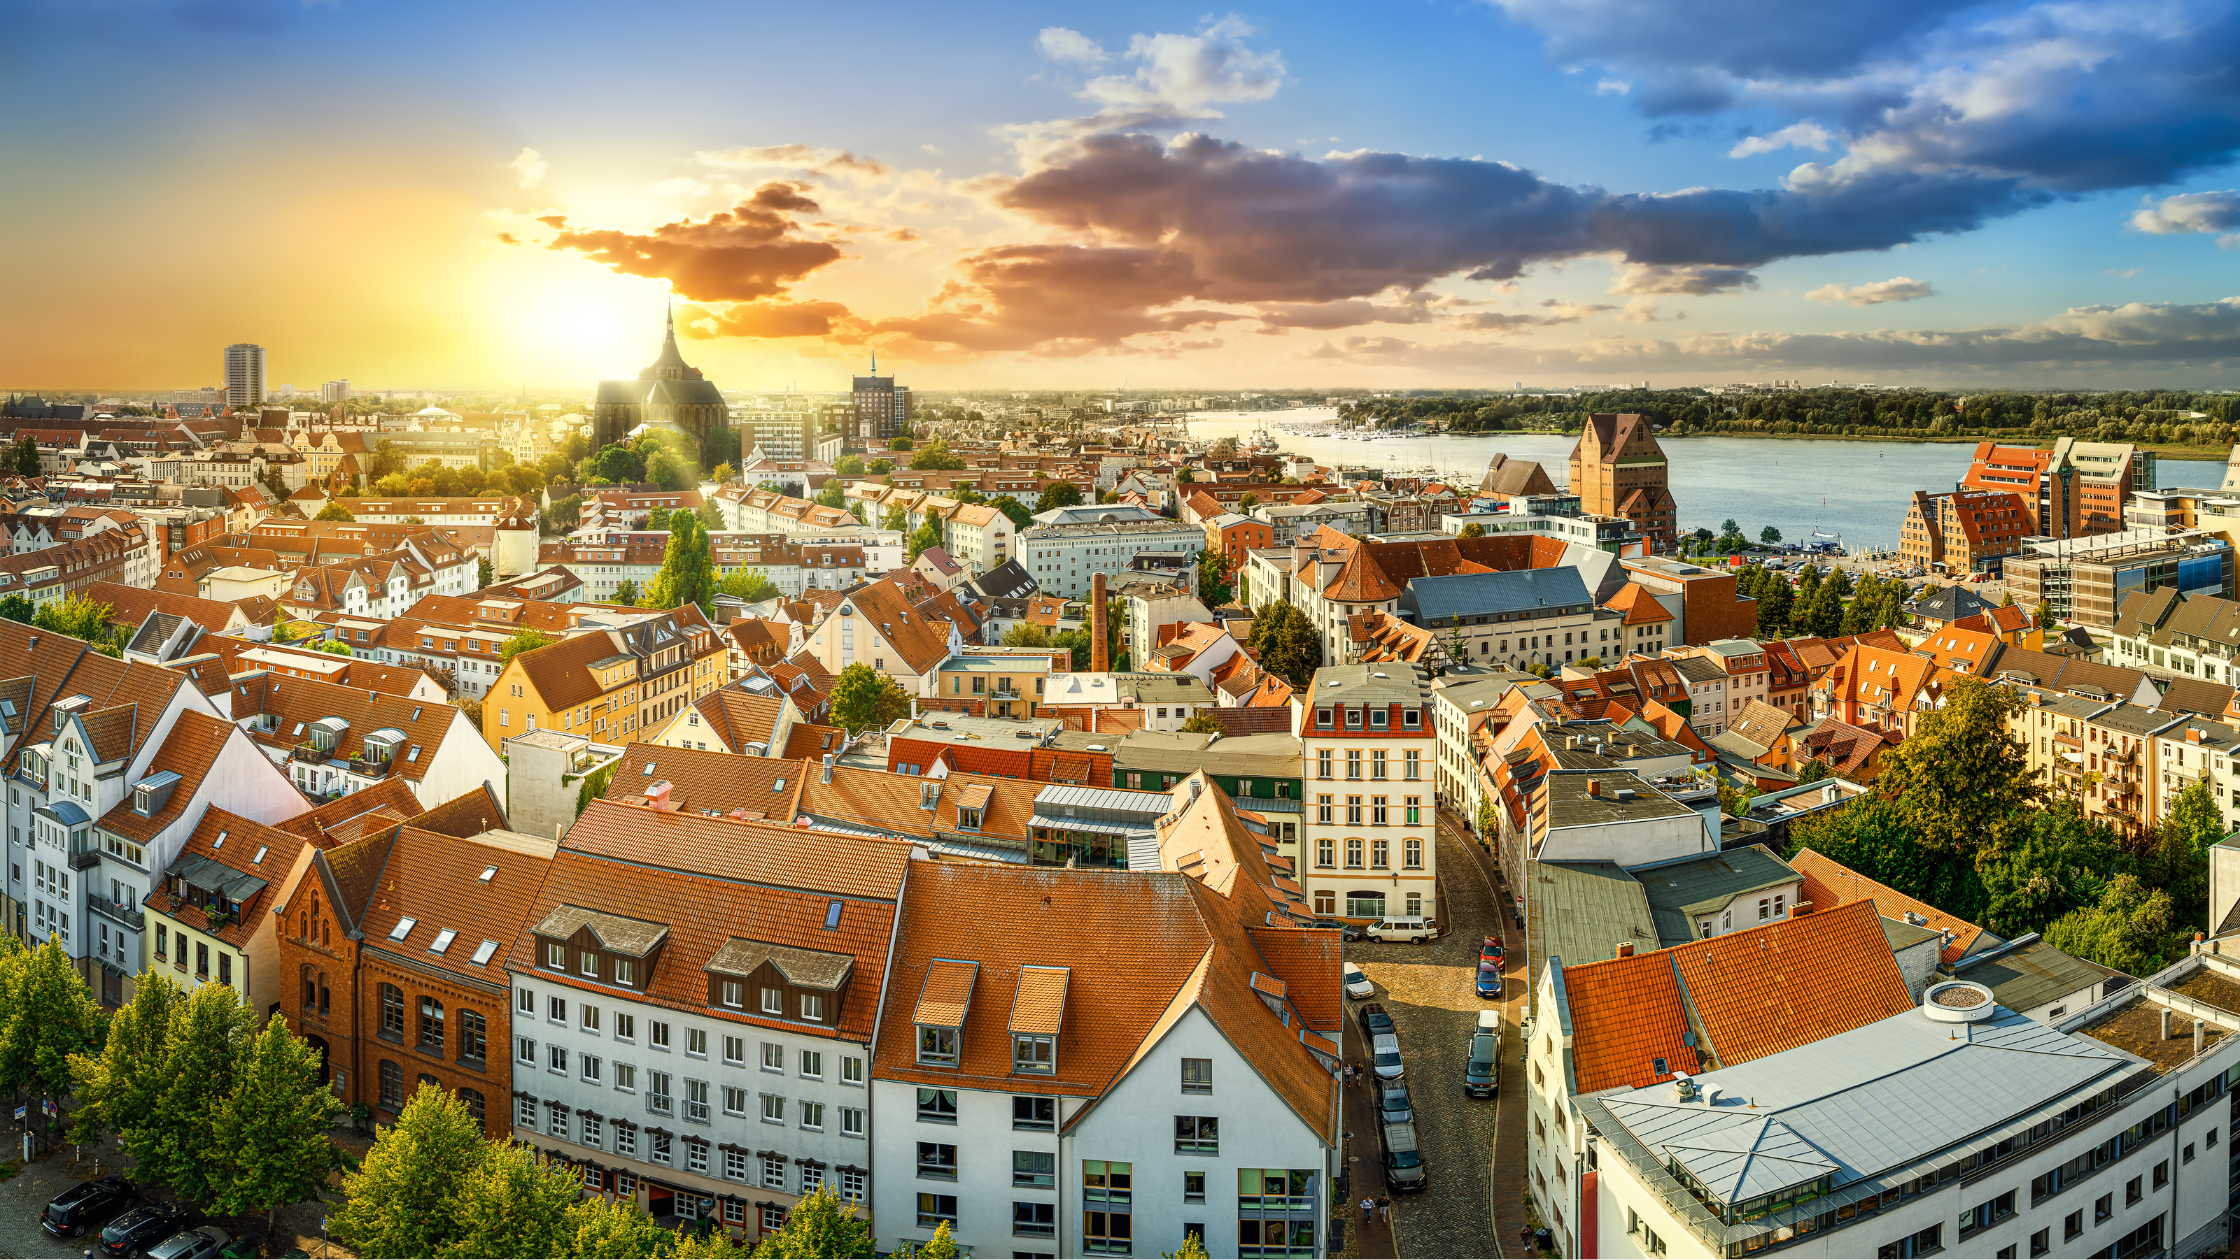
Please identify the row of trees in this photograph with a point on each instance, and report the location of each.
(78, 617)
(1957, 819)
(433, 1185)
(230, 1116)
(1821, 604)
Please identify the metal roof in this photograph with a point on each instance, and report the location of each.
(1582, 911)
(2032, 975)
(1542, 591)
(1679, 891)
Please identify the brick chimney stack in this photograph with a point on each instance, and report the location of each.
(1100, 654)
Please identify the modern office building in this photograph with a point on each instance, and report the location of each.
(879, 409)
(244, 374)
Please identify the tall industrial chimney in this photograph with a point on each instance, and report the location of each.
(1100, 653)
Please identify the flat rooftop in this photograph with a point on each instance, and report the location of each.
(1570, 804)
(2137, 1029)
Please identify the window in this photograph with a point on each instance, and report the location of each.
(1193, 1187)
(592, 1068)
(1034, 1169)
(934, 1209)
(734, 993)
(2133, 1192)
(1353, 756)
(1411, 851)
(556, 1119)
(734, 1101)
(937, 1161)
(2041, 1242)
(657, 1092)
(851, 1070)
(812, 1116)
(1322, 812)
(1921, 1244)
(2162, 1174)
(696, 1101)
(1034, 1220)
(734, 1169)
(556, 1010)
(392, 1012)
(431, 1024)
(1377, 811)
(1322, 760)
(939, 1106)
(2104, 1207)
(735, 1051)
(626, 1077)
(1380, 854)
(1106, 1182)
(658, 1148)
(525, 1050)
(1107, 1232)
(1987, 1213)
(812, 1007)
(2072, 1225)
(557, 1059)
(625, 1143)
(1033, 1053)
(392, 1087)
(525, 1112)
(1376, 764)
(657, 1034)
(696, 1042)
(937, 1046)
(1197, 1134)
(1353, 855)
(773, 1002)
(1028, 1112)
(1197, 1076)
(773, 1172)
(851, 1122)
(525, 1001)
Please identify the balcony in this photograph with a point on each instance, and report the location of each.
(116, 911)
(2068, 741)
(313, 754)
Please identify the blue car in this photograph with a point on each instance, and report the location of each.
(1489, 980)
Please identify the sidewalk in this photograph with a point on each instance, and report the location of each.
(1362, 1159)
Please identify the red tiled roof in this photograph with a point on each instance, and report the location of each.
(1829, 884)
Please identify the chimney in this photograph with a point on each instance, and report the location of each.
(1100, 655)
(1625, 949)
(828, 767)
(1594, 787)
(2200, 1034)
(657, 796)
(2166, 1023)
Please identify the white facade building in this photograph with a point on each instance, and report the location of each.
(1063, 558)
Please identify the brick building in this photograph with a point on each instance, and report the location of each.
(1617, 469)
(1965, 531)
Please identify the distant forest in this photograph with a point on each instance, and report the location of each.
(2155, 417)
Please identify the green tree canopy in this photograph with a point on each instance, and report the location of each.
(1016, 511)
(1214, 568)
(271, 1144)
(1058, 494)
(334, 512)
(819, 1226)
(1203, 723)
(625, 593)
(1026, 634)
(687, 567)
(1769, 535)
(523, 641)
(935, 456)
(1285, 642)
(84, 618)
(751, 585)
(209, 1039)
(1473, 530)
(863, 697)
(513, 1203)
(2129, 929)
(402, 1200)
(849, 466)
(927, 535)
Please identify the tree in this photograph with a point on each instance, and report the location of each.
(626, 593)
(819, 1226)
(880, 467)
(1473, 530)
(2060, 865)
(864, 697)
(272, 1148)
(687, 573)
(23, 458)
(484, 572)
(927, 535)
(657, 520)
(833, 495)
(899, 444)
(1058, 494)
(1027, 634)
(616, 464)
(849, 466)
(1019, 516)
(722, 473)
(1185, 475)
(524, 641)
(50, 1017)
(751, 585)
(605, 1228)
(1214, 568)
(334, 512)
(1812, 771)
(332, 647)
(81, 618)
(1285, 642)
(934, 456)
(513, 1204)
(402, 1201)
(2043, 617)
(117, 1087)
(1203, 723)
(1769, 535)
(2007, 600)
(1192, 1248)
(1729, 529)
(2129, 929)
(18, 609)
(1248, 502)
(898, 521)
(1961, 778)
(941, 1246)
(209, 1039)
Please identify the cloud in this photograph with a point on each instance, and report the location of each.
(749, 252)
(2193, 212)
(798, 157)
(529, 167)
(1344, 314)
(1189, 73)
(1695, 281)
(508, 238)
(2123, 273)
(1640, 310)
(766, 319)
(1803, 135)
(1613, 87)
(902, 234)
(1060, 43)
(1895, 289)
(1360, 347)
(1057, 300)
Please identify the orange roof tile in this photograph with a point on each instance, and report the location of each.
(945, 996)
(1039, 1006)
(1829, 884)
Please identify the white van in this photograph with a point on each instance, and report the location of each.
(1415, 931)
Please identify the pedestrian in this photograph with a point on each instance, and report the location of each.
(1384, 1208)
(1368, 1209)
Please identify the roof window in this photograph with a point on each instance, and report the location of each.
(443, 941)
(488, 873)
(483, 952)
(403, 928)
(262, 849)
(832, 916)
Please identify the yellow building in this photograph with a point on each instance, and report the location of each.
(1009, 680)
(607, 684)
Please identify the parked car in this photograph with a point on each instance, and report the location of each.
(243, 1247)
(1374, 1020)
(1346, 931)
(1489, 980)
(85, 1206)
(1404, 1172)
(1357, 985)
(1415, 931)
(141, 1228)
(1491, 950)
(190, 1244)
(1393, 1105)
(1384, 1056)
(1481, 1067)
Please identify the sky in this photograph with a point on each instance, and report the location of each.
(1455, 193)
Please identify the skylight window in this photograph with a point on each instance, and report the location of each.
(218, 843)
(488, 873)
(262, 849)
(403, 928)
(414, 755)
(483, 951)
(443, 941)
(832, 916)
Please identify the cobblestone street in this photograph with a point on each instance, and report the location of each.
(1428, 991)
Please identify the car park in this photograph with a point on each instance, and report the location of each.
(1357, 985)
(190, 1244)
(1481, 1068)
(87, 1205)
(1393, 1105)
(141, 1228)
(1404, 1172)
(1384, 1057)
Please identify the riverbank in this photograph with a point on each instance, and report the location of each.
(2201, 454)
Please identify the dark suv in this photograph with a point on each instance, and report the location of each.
(1481, 1074)
(1375, 1020)
(85, 1206)
(141, 1228)
(1404, 1172)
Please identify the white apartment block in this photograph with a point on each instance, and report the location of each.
(1063, 558)
(1369, 845)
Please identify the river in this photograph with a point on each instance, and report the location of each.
(1858, 489)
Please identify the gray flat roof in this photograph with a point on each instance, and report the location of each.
(2032, 975)
(1582, 911)
(1570, 805)
(1680, 890)
(1384, 682)
(1543, 591)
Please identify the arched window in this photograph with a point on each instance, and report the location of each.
(326, 995)
(392, 1086)
(392, 1012)
(310, 990)
(431, 1024)
(473, 1099)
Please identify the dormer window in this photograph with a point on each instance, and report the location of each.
(556, 956)
(774, 1002)
(1031, 1053)
(937, 1047)
(625, 972)
(1379, 718)
(588, 964)
(968, 820)
(1353, 718)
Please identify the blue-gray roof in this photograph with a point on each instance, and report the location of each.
(1435, 599)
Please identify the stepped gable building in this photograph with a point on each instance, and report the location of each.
(671, 394)
(1617, 469)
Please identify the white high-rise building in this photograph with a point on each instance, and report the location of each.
(335, 391)
(244, 374)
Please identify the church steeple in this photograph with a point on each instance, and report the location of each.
(671, 365)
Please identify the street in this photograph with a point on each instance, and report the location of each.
(1428, 990)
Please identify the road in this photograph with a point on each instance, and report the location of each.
(1428, 989)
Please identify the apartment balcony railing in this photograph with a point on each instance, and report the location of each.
(130, 916)
(312, 754)
(2069, 741)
